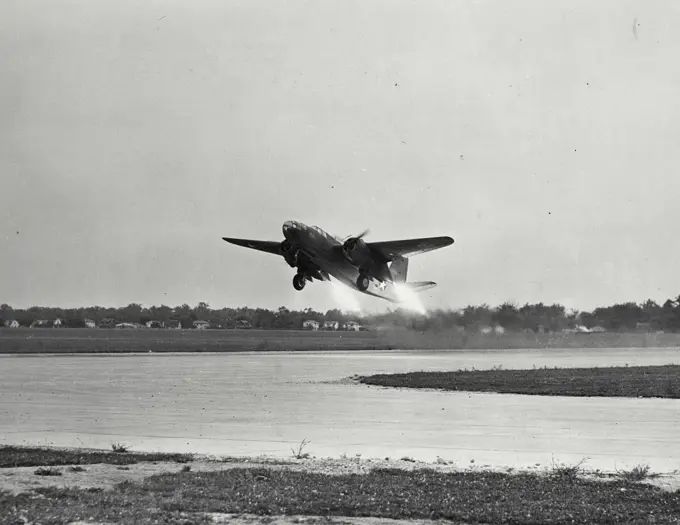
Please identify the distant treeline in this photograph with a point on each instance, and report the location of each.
(646, 316)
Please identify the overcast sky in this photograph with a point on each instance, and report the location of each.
(543, 136)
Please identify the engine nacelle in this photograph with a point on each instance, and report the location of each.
(356, 252)
(290, 253)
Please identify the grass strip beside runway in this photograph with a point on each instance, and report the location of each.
(13, 456)
(470, 497)
(629, 381)
(36, 341)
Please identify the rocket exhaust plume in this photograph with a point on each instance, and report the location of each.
(408, 299)
(345, 297)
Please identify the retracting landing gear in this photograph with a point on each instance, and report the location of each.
(363, 282)
(299, 281)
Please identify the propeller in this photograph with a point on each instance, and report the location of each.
(351, 243)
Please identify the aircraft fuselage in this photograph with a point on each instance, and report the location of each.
(321, 255)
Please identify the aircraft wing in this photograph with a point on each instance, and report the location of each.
(391, 250)
(263, 246)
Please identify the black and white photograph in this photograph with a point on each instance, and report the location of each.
(407, 262)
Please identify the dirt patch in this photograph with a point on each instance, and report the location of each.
(105, 476)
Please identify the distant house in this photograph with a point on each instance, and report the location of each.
(351, 326)
(58, 323)
(310, 324)
(495, 329)
(126, 325)
(12, 324)
(331, 325)
(155, 324)
(201, 325)
(177, 325)
(89, 323)
(41, 323)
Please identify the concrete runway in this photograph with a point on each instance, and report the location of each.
(258, 403)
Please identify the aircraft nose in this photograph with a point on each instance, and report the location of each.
(289, 228)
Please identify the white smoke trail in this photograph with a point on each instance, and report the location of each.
(409, 299)
(345, 297)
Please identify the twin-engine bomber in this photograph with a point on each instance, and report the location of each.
(374, 268)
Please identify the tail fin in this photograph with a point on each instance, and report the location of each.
(399, 269)
(421, 286)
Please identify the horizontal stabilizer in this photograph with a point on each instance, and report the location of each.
(420, 286)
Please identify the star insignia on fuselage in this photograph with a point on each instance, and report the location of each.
(382, 285)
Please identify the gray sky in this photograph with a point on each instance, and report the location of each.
(543, 136)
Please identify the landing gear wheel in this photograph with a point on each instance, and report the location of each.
(299, 281)
(363, 282)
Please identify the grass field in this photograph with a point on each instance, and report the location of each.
(469, 497)
(564, 494)
(81, 340)
(633, 381)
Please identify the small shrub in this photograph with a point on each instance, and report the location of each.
(119, 447)
(186, 468)
(76, 468)
(567, 472)
(42, 471)
(410, 460)
(637, 473)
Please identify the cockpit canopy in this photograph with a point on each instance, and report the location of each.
(325, 233)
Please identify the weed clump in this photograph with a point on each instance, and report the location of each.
(298, 453)
(636, 474)
(566, 472)
(119, 448)
(47, 471)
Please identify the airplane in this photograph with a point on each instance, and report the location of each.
(374, 268)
